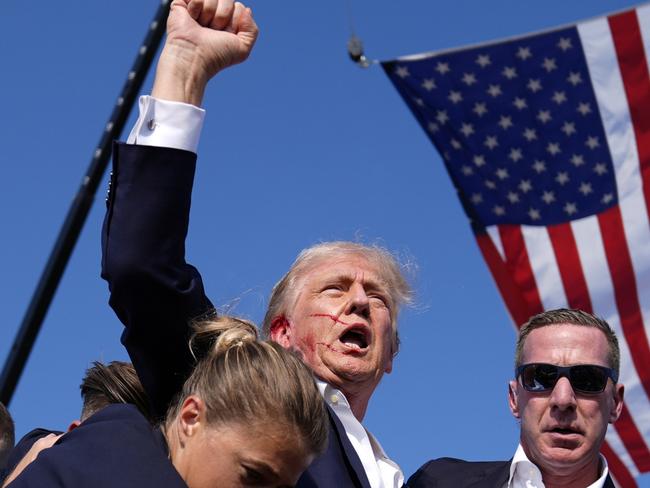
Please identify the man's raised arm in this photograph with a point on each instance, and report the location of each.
(154, 292)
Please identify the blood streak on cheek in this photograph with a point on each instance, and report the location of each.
(308, 343)
(333, 317)
(329, 346)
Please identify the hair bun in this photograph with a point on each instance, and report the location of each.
(215, 336)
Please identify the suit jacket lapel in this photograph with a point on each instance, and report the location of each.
(609, 483)
(350, 453)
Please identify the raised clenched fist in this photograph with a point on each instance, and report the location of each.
(203, 37)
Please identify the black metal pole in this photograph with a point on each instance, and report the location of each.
(79, 209)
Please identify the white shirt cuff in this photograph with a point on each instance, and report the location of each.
(167, 124)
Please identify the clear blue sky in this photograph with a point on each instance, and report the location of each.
(299, 146)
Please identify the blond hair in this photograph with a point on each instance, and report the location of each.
(285, 291)
(241, 379)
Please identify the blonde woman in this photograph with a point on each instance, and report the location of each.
(248, 415)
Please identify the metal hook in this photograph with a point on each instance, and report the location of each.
(355, 51)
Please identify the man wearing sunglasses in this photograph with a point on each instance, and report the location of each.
(564, 394)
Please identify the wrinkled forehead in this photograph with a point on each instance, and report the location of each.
(344, 265)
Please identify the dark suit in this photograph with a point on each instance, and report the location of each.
(155, 292)
(456, 473)
(116, 447)
(22, 447)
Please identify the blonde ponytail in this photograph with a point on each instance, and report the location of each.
(215, 336)
(243, 380)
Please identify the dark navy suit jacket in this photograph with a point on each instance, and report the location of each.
(155, 292)
(22, 447)
(116, 447)
(456, 473)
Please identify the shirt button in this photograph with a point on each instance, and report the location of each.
(151, 124)
(334, 399)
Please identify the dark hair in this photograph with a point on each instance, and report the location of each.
(7, 436)
(573, 317)
(115, 382)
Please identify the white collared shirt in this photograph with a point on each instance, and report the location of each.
(524, 474)
(381, 471)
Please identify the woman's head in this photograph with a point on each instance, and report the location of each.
(249, 414)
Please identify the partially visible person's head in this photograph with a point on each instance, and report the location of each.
(338, 306)
(565, 391)
(115, 382)
(249, 414)
(7, 435)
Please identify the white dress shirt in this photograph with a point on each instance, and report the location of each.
(524, 474)
(167, 124)
(381, 471)
(178, 125)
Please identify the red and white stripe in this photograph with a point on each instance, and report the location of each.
(600, 263)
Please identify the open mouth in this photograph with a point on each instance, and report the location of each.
(565, 431)
(355, 338)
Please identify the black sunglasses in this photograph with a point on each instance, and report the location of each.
(584, 378)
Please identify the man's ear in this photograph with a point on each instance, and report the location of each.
(192, 416)
(617, 405)
(389, 366)
(513, 399)
(280, 331)
(74, 424)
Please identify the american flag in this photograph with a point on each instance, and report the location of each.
(546, 138)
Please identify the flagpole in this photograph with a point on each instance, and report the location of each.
(74, 221)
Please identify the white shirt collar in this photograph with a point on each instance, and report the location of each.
(382, 472)
(525, 474)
